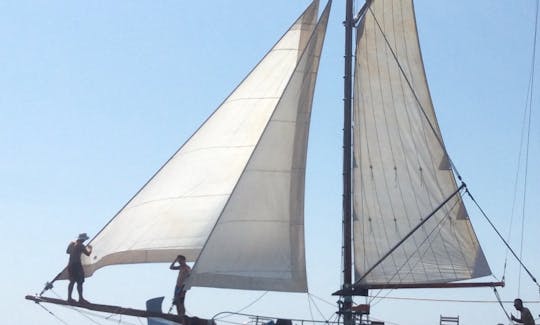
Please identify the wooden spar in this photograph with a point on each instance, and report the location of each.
(109, 309)
(383, 286)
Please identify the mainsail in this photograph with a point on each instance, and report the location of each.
(238, 182)
(401, 172)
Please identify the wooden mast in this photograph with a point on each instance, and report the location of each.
(345, 308)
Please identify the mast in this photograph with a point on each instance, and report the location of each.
(347, 167)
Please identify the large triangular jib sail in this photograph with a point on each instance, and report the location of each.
(244, 167)
(401, 171)
(262, 224)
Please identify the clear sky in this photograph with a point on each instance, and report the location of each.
(96, 95)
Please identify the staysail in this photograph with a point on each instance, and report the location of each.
(239, 179)
(262, 223)
(401, 172)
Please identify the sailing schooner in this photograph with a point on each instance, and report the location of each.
(231, 199)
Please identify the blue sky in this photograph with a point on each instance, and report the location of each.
(97, 95)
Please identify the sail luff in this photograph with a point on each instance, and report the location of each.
(401, 171)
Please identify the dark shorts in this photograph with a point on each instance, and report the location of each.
(76, 272)
(179, 295)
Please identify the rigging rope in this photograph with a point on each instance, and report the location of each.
(316, 307)
(53, 314)
(244, 308)
(86, 314)
(110, 318)
(439, 227)
(528, 105)
(321, 299)
(500, 303)
(501, 237)
(310, 309)
(413, 230)
(409, 84)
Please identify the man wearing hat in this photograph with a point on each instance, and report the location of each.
(75, 268)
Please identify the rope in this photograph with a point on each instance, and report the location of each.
(321, 299)
(501, 237)
(413, 230)
(82, 313)
(439, 227)
(316, 307)
(244, 308)
(500, 303)
(529, 105)
(75, 309)
(310, 309)
(87, 314)
(409, 84)
(110, 318)
(53, 314)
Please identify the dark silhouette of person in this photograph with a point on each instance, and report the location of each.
(179, 290)
(526, 316)
(75, 268)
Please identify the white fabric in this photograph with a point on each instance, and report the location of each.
(260, 207)
(400, 168)
(258, 242)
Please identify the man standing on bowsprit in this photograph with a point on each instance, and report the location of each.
(179, 291)
(75, 268)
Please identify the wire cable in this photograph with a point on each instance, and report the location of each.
(53, 314)
(501, 237)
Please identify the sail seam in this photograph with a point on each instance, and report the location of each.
(437, 136)
(297, 272)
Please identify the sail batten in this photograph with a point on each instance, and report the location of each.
(401, 172)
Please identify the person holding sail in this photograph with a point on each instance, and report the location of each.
(75, 269)
(179, 292)
(526, 316)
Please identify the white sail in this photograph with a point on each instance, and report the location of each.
(244, 167)
(262, 224)
(401, 171)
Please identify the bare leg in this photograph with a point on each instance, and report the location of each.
(80, 291)
(180, 309)
(70, 290)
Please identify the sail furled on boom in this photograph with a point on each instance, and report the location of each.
(401, 172)
(262, 224)
(245, 167)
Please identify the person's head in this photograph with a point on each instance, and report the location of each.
(518, 304)
(82, 237)
(181, 259)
